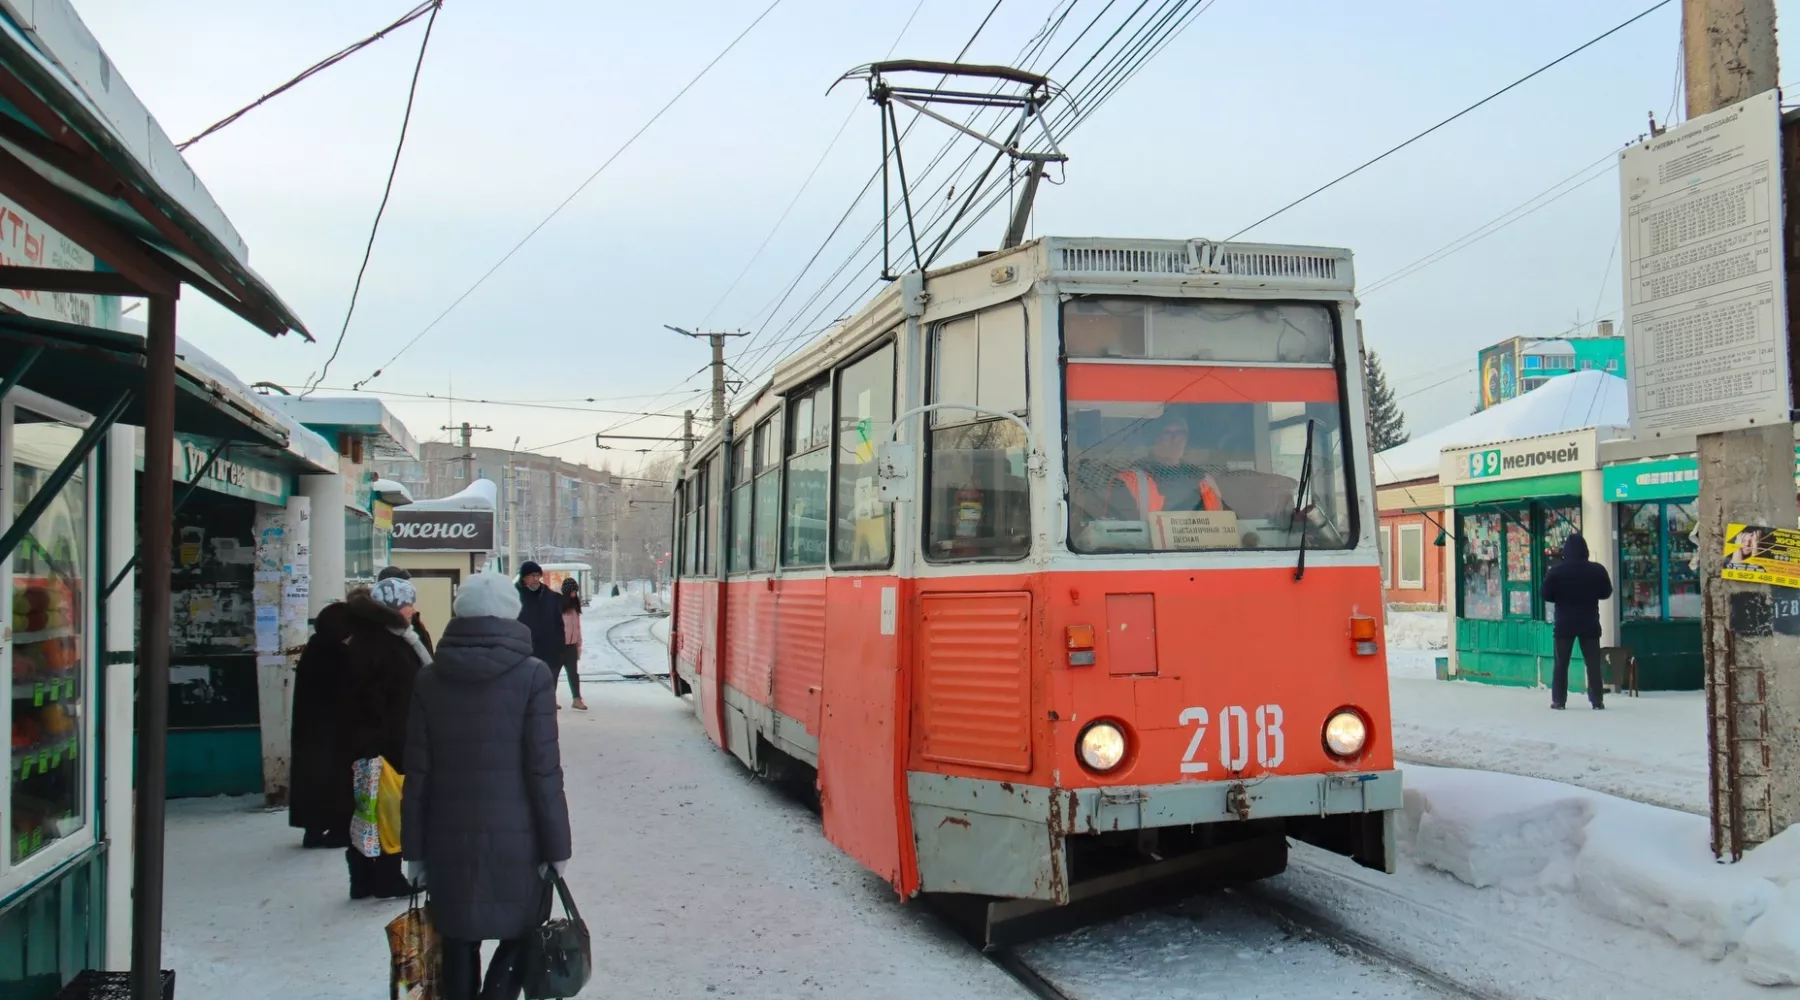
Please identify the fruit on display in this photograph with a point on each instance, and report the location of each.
(26, 733)
(56, 720)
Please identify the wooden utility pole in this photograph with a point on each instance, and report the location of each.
(1746, 477)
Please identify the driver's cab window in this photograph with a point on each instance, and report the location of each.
(977, 493)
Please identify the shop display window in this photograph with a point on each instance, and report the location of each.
(1656, 580)
(49, 704)
(1505, 552)
(1481, 565)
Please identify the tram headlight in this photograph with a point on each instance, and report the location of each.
(1101, 746)
(1345, 733)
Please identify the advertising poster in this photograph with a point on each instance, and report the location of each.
(1755, 553)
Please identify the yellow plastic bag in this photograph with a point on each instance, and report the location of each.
(387, 807)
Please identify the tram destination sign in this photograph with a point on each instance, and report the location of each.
(460, 530)
(1705, 302)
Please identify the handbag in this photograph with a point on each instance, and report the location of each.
(559, 957)
(365, 833)
(415, 955)
(391, 786)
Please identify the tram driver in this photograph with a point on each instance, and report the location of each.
(1163, 480)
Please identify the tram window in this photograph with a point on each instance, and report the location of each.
(862, 534)
(807, 483)
(1156, 475)
(766, 519)
(741, 476)
(977, 495)
(1199, 330)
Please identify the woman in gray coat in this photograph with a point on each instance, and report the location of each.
(484, 825)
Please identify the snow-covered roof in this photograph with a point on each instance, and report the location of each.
(302, 442)
(392, 493)
(1566, 402)
(481, 494)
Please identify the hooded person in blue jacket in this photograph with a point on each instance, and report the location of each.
(1575, 587)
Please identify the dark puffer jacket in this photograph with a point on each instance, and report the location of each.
(484, 799)
(541, 611)
(1576, 586)
(319, 795)
(377, 692)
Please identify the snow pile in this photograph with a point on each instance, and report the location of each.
(1487, 832)
(1418, 630)
(1565, 403)
(1629, 862)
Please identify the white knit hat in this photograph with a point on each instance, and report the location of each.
(394, 592)
(486, 595)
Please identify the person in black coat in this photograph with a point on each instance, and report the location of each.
(1576, 586)
(319, 799)
(485, 826)
(385, 657)
(540, 609)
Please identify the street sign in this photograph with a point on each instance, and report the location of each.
(1705, 300)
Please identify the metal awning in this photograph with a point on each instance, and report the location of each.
(79, 150)
(90, 368)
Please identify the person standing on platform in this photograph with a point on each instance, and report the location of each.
(541, 610)
(571, 651)
(484, 822)
(385, 657)
(1576, 586)
(319, 795)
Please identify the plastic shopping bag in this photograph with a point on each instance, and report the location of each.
(387, 807)
(366, 785)
(415, 955)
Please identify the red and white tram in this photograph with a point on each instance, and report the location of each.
(1111, 609)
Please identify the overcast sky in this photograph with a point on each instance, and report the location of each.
(1256, 103)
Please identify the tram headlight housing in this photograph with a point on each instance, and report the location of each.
(1346, 733)
(1102, 746)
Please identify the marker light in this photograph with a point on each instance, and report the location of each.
(1101, 746)
(1081, 645)
(1345, 733)
(1362, 633)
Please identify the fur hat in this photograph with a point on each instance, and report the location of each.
(527, 568)
(486, 595)
(389, 571)
(394, 592)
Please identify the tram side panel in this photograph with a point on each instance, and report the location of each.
(859, 769)
(800, 642)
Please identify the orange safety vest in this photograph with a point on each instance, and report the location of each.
(1149, 498)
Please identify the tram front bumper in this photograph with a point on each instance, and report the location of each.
(1001, 838)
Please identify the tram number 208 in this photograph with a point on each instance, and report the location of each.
(1234, 738)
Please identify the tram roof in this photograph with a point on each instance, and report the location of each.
(1099, 259)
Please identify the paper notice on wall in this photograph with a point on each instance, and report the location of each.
(1194, 529)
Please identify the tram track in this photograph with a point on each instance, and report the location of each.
(619, 643)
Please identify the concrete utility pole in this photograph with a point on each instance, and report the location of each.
(718, 366)
(687, 435)
(1746, 476)
(468, 457)
(509, 484)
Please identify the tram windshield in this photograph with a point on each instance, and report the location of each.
(1184, 456)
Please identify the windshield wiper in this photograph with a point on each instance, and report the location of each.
(1300, 499)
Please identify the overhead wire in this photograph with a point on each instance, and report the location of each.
(583, 186)
(1353, 171)
(868, 186)
(387, 191)
(313, 70)
(754, 257)
(782, 338)
(518, 403)
(1124, 63)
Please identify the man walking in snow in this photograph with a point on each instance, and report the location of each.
(1576, 586)
(540, 609)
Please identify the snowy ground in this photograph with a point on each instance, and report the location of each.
(695, 880)
(1651, 748)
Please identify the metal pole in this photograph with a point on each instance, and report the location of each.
(156, 513)
(615, 536)
(687, 435)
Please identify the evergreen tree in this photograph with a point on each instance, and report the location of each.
(1387, 425)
